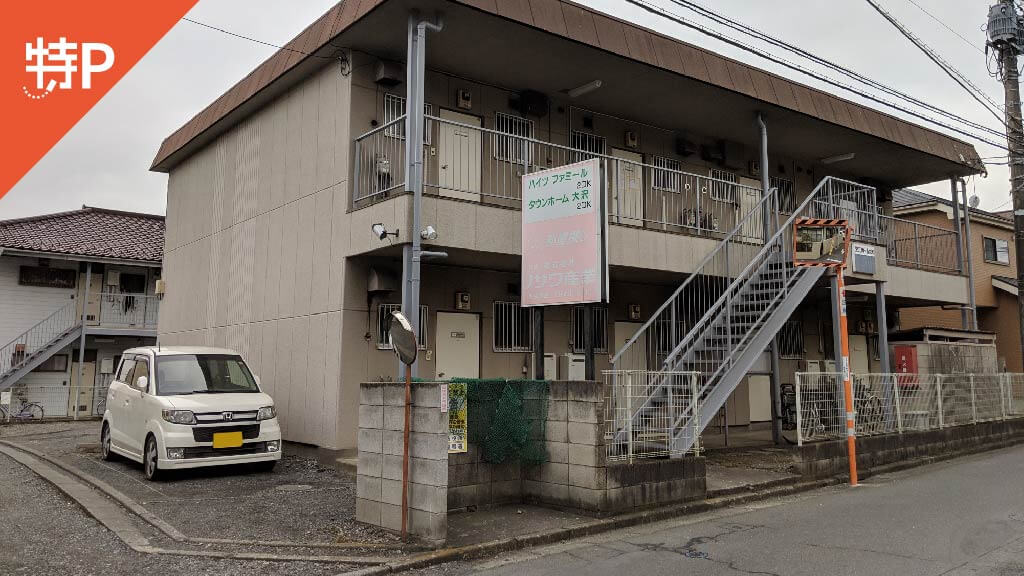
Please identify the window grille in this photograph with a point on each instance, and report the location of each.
(578, 334)
(787, 200)
(513, 327)
(720, 189)
(384, 326)
(588, 145)
(791, 340)
(510, 148)
(666, 174)
(394, 108)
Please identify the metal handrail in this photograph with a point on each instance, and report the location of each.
(37, 337)
(723, 245)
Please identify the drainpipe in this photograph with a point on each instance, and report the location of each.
(773, 217)
(964, 319)
(970, 260)
(414, 122)
(81, 340)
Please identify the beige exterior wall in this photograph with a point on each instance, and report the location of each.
(257, 235)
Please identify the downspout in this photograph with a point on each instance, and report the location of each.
(773, 217)
(970, 259)
(964, 318)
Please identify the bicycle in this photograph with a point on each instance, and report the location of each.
(811, 425)
(27, 411)
(870, 416)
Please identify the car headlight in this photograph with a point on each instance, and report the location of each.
(266, 413)
(179, 416)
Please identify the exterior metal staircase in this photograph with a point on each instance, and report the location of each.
(30, 349)
(718, 323)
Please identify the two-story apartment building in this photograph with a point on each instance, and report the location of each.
(84, 277)
(995, 272)
(275, 186)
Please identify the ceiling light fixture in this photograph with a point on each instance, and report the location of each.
(584, 89)
(839, 158)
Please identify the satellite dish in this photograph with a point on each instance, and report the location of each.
(974, 201)
(402, 338)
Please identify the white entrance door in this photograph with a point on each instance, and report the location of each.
(459, 157)
(859, 354)
(635, 359)
(92, 307)
(627, 197)
(749, 197)
(458, 345)
(85, 389)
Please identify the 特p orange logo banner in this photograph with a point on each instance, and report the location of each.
(58, 58)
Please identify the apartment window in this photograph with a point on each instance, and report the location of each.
(394, 108)
(578, 334)
(996, 250)
(666, 174)
(47, 277)
(384, 326)
(55, 363)
(720, 187)
(513, 327)
(510, 148)
(791, 340)
(787, 200)
(592, 144)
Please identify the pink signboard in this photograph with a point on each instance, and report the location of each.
(563, 236)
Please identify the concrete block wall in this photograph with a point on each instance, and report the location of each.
(379, 475)
(821, 460)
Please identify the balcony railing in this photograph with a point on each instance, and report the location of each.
(915, 245)
(482, 165)
(128, 311)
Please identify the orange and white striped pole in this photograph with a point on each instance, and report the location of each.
(851, 425)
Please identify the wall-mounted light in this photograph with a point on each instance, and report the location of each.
(584, 89)
(839, 158)
(428, 233)
(381, 232)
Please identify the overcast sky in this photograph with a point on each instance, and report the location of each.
(104, 159)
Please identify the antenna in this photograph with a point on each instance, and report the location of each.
(974, 201)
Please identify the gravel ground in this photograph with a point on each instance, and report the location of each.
(771, 459)
(42, 532)
(299, 501)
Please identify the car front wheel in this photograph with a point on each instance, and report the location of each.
(150, 460)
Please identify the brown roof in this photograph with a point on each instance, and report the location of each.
(89, 232)
(593, 28)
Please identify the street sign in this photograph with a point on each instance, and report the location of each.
(563, 236)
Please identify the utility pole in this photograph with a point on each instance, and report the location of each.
(1005, 32)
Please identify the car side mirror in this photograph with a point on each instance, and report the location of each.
(142, 383)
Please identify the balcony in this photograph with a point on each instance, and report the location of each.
(473, 164)
(131, 311)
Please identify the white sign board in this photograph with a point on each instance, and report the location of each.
(563, 236)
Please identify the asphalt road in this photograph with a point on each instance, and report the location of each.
(962, 517)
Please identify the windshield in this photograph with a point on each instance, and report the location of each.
(203, 374)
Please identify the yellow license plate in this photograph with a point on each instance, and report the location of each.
(227, 439)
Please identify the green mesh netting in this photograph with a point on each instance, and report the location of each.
(506, 418)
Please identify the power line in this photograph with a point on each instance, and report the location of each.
(255, 40)
(950, 71)
(947, 27)
(760, 35)
(664, 13)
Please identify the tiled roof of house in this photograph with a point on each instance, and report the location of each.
(590, 27)
(95, 232)
(906, 197)
(1006, 280)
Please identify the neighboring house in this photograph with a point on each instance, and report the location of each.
(274, 187)
(995, 272)
(56, 270)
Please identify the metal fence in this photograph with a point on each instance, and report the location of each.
(915, 245)
(639, 426)
(484, 165)
(27, 403)
(129, 310)
(895, 403)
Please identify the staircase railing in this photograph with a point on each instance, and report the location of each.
(741, 304)
(23, 348)
(729, 326)
(650, 348)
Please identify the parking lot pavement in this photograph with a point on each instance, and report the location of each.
(43, 532)
(300, 501)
